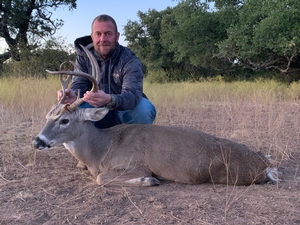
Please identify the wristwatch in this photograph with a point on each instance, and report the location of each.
(112, 103)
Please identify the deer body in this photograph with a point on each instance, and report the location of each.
(131, 154)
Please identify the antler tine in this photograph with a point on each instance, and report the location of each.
(79, 100)
(64, 83)
(94, 63)
(78, 73)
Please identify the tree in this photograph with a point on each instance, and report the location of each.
(197, 34)
(179, 43)
(266, 36)
(144, 37)
(22, 20)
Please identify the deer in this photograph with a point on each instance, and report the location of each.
(146, 155)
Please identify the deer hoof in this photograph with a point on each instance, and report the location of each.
(81, 165)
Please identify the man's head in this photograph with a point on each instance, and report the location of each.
(105, 35)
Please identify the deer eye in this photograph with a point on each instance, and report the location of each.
(63, 122)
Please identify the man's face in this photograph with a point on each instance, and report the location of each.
(105, 38)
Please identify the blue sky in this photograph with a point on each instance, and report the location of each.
(78, 22)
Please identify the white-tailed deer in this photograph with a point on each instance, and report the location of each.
(141, 155)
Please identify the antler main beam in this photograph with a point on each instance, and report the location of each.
(94, 78)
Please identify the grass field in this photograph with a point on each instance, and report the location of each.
(46, 188)
(39, 94)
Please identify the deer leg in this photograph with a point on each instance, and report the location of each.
(132, 178)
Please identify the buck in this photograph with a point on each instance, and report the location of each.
(143, 155)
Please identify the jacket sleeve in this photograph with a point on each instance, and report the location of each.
(132, 86)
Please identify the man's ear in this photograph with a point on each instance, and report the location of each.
(117, 36)
(94, 114)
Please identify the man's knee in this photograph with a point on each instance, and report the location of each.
(143, 113)
(146, 108)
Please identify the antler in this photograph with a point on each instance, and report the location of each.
(94, 78)
(64, 83)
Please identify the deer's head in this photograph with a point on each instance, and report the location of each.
(64, 121)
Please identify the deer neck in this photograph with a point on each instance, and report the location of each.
(91, 147)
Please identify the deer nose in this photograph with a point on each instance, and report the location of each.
(40, 144)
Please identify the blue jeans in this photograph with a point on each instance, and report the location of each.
(143, 113)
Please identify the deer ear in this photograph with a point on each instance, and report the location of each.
(94, 114)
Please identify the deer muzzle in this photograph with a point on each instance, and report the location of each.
(40, 144)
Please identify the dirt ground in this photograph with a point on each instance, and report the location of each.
(45, 187)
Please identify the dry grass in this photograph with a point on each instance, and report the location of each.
(24, 104)
(28, 94)
(43, 186)
(252, 112)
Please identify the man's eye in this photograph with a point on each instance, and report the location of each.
(64, 121)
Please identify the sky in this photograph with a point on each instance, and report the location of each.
(77, 23)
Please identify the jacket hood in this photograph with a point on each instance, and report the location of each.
(86, 41)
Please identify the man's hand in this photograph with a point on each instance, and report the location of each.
(70, 96)
(97, 99)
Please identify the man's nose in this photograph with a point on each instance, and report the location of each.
(103, 37)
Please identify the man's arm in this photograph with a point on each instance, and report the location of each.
(132, 86)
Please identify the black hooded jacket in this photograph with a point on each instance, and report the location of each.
(121, 74)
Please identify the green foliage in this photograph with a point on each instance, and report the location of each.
(223, 4)
(35, 63)
(265, 36)
(238, 39)
(196, 35)
(177, 43)
(144, 38)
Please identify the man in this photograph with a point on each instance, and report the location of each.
(121, 85)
